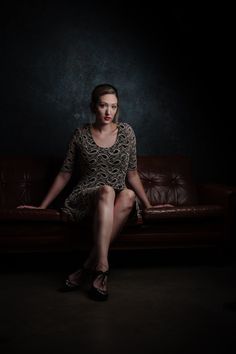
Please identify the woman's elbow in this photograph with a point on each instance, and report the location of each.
(132, 174)
(66, 176)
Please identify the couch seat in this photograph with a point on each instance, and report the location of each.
(29, 214)
(182, 212)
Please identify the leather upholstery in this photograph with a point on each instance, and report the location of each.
(30, 214)
(202, 214)
(168, 179)
(187, 212)
(24, 180)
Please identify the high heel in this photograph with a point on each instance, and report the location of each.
(69, 286)
(96, 293)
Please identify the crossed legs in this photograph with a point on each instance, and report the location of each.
(111, 213)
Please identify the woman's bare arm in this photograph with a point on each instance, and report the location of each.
(136, 183)
(59, 183)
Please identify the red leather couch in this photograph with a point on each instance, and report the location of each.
(203, 215)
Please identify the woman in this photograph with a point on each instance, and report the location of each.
(106, 154)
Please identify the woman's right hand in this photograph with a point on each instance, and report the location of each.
(28, 207)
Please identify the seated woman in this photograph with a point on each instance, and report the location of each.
(106, 154)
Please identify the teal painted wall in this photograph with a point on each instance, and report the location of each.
(169, 64)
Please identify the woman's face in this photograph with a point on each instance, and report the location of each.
(106, 108)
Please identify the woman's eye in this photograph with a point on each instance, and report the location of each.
(102, 105)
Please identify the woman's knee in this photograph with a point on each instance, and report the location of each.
(128, 198)
(106, 193)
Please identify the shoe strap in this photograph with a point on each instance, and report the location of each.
(97, 273)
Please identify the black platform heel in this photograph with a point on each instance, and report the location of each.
(97, 293)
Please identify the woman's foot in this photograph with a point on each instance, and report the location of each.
(75, 280)
(98, 290)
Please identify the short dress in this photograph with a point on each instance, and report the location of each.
(97, 166)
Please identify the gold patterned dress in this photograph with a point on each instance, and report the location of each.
(97, 166)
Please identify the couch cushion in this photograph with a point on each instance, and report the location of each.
(184, 212)
(168, 179)
(29, 214)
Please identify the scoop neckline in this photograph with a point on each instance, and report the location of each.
(101, 147)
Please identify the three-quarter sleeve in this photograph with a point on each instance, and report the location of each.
(133, 153)
(69, 161)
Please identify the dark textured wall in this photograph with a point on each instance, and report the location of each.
(168, 64)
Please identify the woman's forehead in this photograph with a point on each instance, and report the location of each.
(108, 98)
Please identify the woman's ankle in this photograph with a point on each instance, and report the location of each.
(102, 266)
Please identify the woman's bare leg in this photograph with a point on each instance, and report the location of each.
(118, 214)
(110, 216)
(102, 228)
(122, 207)
(103, 224)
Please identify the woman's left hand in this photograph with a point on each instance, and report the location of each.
(161, 206)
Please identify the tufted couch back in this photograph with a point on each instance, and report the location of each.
(26, 180)
(168, 179)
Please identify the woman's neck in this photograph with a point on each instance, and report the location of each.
(105, 128)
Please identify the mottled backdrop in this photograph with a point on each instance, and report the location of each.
(171, 65)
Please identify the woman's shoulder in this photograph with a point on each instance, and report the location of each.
(80, 130)
(126, 127)
(77, 134)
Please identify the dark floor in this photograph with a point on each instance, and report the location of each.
(160, 302)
